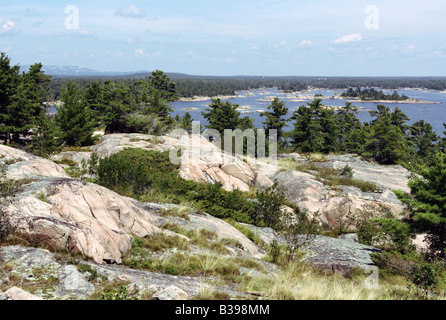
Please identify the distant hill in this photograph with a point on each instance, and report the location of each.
(75, 71)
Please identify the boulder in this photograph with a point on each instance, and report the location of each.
(350, 237)
(72, 283)
(171, 293)
(3, 296)
(338, 255)
(16, 293)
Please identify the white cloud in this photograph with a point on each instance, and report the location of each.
(85, 33)
(7, 27)
(229, 60)
(306, 43)
(131, 12)
(139, 52)
(348, 38)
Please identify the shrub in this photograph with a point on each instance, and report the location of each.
(274, 251)
(7, 227)
(149, 175)
(347, 172)
(268, 208)
(395, 263)
(386, 233)
(425, 276)
(120, 293)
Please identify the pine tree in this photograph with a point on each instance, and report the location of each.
(115, 103)
(351, 133)
(423, 139)
(330, 130)
(161, 82)
(21, 99)
(74, 117)
(9, 80)
(45, 139)
(427, 203)
(275, 119)
(386, 141)
(224, 115)
(307, 133)
(27, 105)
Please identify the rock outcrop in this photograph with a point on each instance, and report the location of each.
(202, 161)
(339, 255)
(81, 217)
(24, 165)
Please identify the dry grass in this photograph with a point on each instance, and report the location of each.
(182, 211)
(300, 282)
(37, 281)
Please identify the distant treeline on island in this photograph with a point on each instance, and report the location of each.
(189, 86)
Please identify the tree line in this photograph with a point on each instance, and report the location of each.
(26, 120)
(387, 138)
(190, 86)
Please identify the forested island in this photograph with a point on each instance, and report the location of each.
(141, 106)
(373, 95)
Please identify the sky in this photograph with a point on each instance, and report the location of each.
(231, 37)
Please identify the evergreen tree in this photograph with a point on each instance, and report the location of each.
(21, 98)
(275, 118)
(185, 122)
(423, 139)
(93, 98)
(9, 81)
(74, 117)
(45, 139)
(27, 105)
(307, 133)
(351, 133)
(427, 203)
(154, 95)
(330, 130)
(161, 82)
(224, 115)
(386, 142)
(115, 103)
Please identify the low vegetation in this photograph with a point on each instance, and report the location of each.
(328, 176)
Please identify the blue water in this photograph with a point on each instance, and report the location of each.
(434, 114)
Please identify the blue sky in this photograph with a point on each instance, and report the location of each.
(244, 37)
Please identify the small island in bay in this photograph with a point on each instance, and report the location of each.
(373, 95)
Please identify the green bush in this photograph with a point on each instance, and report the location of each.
(395, 263)
(425, 276)
(136, 172)
(386, 233)
(268, 208)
